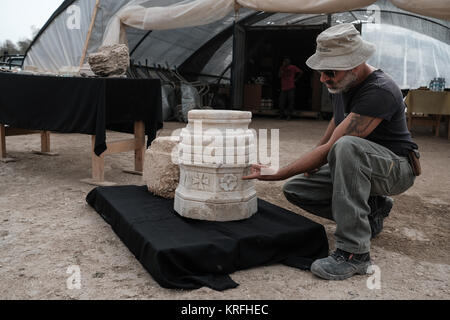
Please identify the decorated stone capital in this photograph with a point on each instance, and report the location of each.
(214, 155)
(228, 182)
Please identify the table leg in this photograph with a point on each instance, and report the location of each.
(448, 127)
(3, 157)
(139, 152)
(2, 141)
(45, 145)
(438, 124)
(98, 169)
(138, 148)
(45, 141)
(98, 164)
(137, 145)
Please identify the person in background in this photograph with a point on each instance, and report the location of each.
(289, 74)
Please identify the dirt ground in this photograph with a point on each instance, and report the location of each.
(46, 227)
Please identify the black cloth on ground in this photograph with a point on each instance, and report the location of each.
(185, 253)
(80, 105)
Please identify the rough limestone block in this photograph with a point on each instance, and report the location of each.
(161, 171)
(110, 60)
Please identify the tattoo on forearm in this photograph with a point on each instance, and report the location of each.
(358, 124)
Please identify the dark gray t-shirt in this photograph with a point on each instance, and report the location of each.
(378, 96)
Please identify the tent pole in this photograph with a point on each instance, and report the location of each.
(88, 37)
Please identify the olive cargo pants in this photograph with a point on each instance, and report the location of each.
(339, 191)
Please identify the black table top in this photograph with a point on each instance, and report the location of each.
(80, 105)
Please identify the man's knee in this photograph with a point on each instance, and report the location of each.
(300, 194)
(346, 142)
(292, 190)
(346, 146)
(295, 190)
(288, 188)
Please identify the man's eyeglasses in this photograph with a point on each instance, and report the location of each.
(328, 73)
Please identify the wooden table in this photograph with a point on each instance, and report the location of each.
(44, 104)
(8, 131)
(425, 107)
(137, 144)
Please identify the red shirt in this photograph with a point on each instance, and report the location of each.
(288, 77)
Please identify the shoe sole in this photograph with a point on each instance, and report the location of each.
(328, 276)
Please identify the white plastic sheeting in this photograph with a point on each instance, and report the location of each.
(183, 14)
(434, 8)
(62, 45)
(304, 6)
(172, 47)
(410, 58)
(197, 12)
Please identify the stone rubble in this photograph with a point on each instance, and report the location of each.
(161, 171)
(110, 60)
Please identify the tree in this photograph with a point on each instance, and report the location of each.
(8, 47)
(22, 45)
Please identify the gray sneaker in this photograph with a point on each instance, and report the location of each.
(380, 206)
(341, 265)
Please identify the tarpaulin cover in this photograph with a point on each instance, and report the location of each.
(198, 12)
(188, 254)
(413, 53)
(80, 105)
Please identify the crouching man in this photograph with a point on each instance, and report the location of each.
(365, 154)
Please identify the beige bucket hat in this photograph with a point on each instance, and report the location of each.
(340, 47)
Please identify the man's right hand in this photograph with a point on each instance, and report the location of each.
(262, 172)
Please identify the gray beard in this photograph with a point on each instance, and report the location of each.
(345, 84)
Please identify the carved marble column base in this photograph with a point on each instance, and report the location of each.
(215, 153)
(215, 192)
(210, 211)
